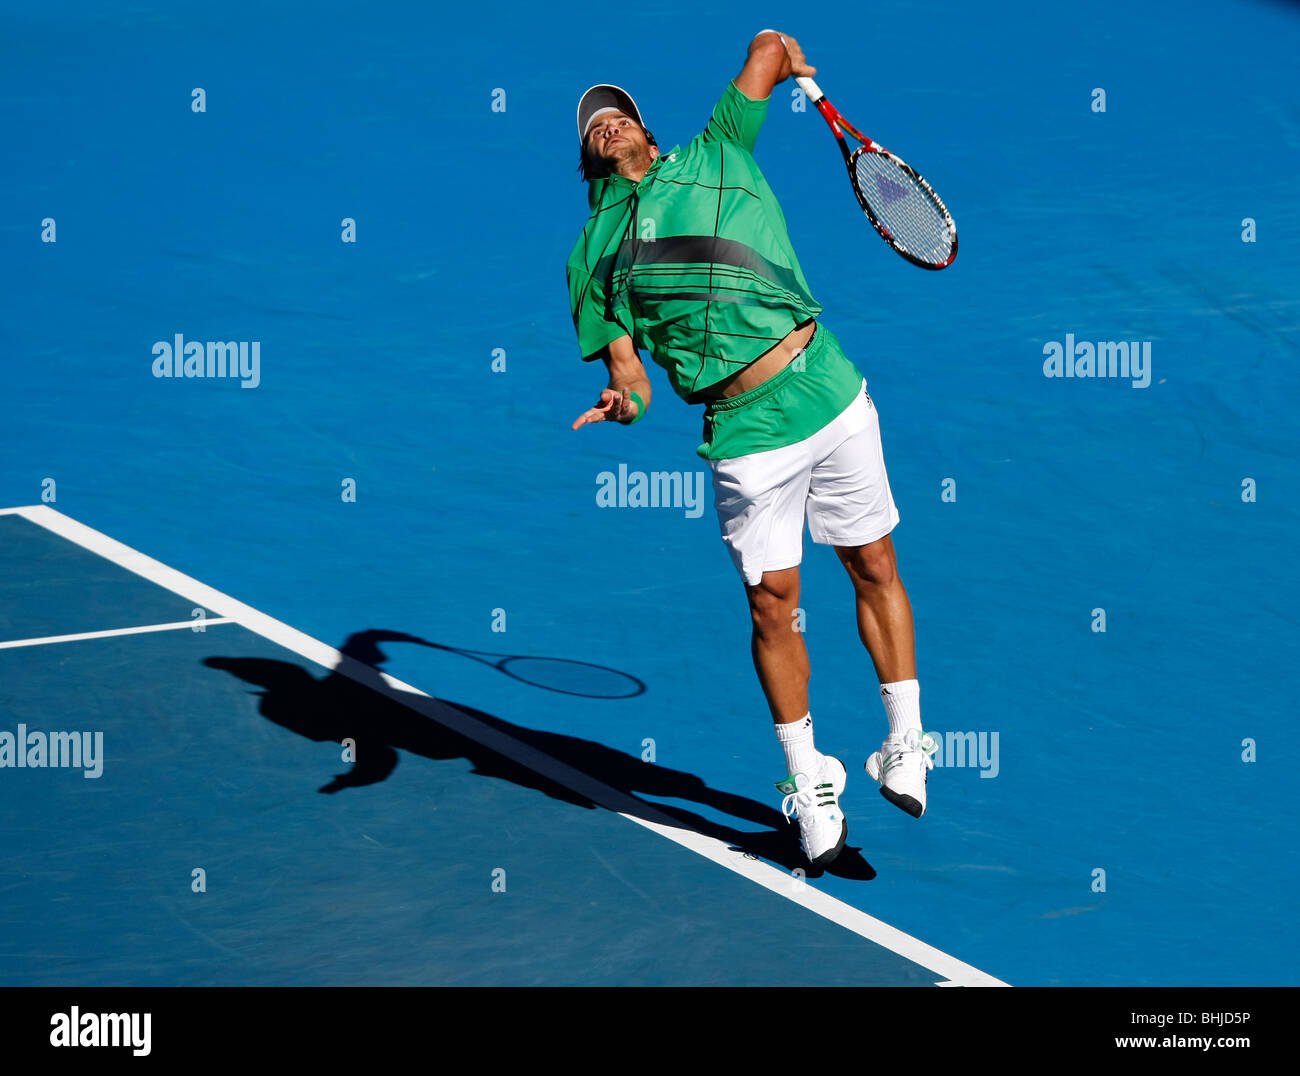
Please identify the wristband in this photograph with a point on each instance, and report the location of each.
(640, 408)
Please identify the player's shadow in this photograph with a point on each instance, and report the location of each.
(343, 706)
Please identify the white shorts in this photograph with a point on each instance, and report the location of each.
(836, 478)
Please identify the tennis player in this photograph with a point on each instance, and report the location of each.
(686, 255)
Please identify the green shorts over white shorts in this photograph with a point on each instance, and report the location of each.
(832, 476)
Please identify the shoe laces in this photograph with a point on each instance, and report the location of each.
(807, 797)
(913, 742)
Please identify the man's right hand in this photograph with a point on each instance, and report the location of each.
(769, 62)
(613, 407)
(799, 64)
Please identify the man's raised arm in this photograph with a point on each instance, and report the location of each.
(770, 62)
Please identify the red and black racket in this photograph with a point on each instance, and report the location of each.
(901, 205)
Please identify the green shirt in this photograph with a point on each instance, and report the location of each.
(693, 262)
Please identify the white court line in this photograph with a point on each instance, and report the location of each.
(196, 625)
(803, 893)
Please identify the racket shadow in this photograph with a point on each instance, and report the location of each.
(357, 705)
(564, 676)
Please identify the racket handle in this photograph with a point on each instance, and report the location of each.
(809, 87)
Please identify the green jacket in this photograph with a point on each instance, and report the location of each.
(693, 262)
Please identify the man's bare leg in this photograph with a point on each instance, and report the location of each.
(815, 782)
(884, 612)
(885, 627)
(780, 657)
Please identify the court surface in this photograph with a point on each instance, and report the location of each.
(564, 764)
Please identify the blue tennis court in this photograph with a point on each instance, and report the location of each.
(383, 538)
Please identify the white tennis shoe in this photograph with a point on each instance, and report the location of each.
(901, 766)
(815, 800)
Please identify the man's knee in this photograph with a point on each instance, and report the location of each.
(773, 602)
(874, 564)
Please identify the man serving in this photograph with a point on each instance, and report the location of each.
(686, 255)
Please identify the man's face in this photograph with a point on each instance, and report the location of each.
(619, 140)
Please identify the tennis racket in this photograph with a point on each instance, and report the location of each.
(901, 205)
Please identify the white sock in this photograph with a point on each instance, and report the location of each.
(797, 739)
(902, 701)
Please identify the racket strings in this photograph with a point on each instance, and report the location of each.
(904, 207)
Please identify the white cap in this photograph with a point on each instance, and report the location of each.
(603, 98)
